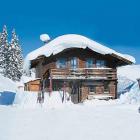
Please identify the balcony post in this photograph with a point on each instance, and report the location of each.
(50, 86)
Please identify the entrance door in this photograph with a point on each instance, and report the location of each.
(75, 92)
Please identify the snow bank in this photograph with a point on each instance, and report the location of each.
(71, 41)
(28, 99)
(124, 84)
(97, 102)
(127, 76)
(131, 97)
(132, 72)
(8, 89)
(7, 85)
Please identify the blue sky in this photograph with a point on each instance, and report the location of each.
(114, 23)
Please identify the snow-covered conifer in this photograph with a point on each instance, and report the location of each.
(11, 59)
(0, 55)
(16, 58)
(3, 50)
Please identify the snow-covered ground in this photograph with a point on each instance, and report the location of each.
(99, 120)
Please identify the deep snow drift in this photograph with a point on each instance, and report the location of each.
(127, 76)
(7, 84)
(28, 99)
(132, 72)
(133, 96)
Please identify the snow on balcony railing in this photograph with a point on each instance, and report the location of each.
(82, 73)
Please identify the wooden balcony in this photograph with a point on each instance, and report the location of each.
(84, 73)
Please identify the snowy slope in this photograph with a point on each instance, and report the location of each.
(7, 84)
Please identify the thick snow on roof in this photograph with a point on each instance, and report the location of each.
(73, 41)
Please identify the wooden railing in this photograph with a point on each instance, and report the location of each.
(84, 73)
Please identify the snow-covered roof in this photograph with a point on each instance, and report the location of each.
(73, 41)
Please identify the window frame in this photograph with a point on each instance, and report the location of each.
(99, 63)
(91, 65)
(72, 61)
(59, 65)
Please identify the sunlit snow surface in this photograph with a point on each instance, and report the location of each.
(132, 72)
(7, 84)
(96, 120)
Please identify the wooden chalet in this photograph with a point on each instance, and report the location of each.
(80, 70)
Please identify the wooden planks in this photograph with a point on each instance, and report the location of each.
(86, 73)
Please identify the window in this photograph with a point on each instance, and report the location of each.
(61, 63)
(100, 63)
(89, 62)
(74, 63)
(92, 89)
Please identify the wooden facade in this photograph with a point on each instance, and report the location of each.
(80, 81)
(32, 85)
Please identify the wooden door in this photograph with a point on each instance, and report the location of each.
(75, 92)
(112, 90)
(84, 93)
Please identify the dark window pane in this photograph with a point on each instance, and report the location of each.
(100, 63)
(61, 63)
(74, 63)
(89, 62)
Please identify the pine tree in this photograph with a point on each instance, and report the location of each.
(15, 68)
(3, 50)
(0, 55)
(11, 59)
